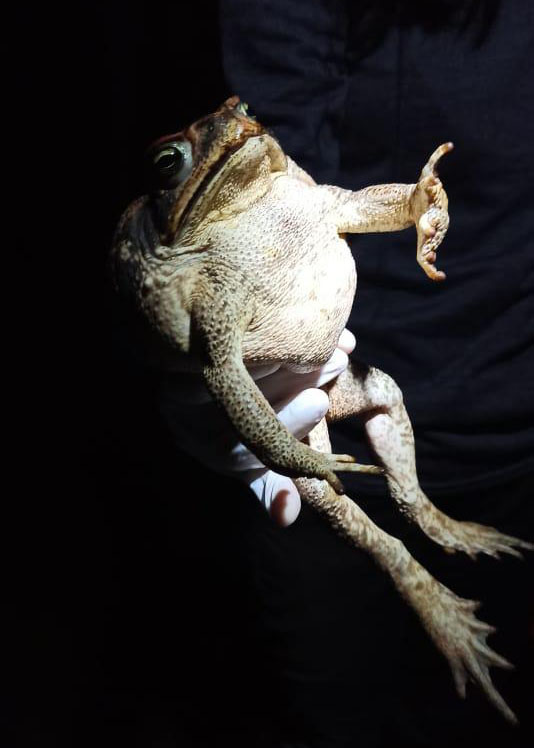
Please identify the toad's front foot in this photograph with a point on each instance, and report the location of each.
(469, 537)
(458, 634)
(429, 206)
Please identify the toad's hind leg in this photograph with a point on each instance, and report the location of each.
(447, 618)
(369, 393)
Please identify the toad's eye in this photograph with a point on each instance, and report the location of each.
(242, 108)
(169, 160)
(171, 164)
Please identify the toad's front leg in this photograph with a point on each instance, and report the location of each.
(392, 207)
(222, 307)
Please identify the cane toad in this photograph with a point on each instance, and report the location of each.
(237, 257)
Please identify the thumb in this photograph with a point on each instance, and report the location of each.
(279, 496)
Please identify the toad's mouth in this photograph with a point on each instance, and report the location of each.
(217, 167)
(211, 174)
(198, 199)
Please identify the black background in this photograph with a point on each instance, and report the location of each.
(153, 603)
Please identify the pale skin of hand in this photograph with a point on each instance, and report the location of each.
(295, 397)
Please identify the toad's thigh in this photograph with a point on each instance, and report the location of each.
(361, 389)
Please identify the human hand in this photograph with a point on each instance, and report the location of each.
(201, 429)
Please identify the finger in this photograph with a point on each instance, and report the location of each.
(429, 187)
(432, 162)
(481, 676)
(430, 184)
(263, 370)
(426, 256)
(492, 657)
(279, 496)
(432, 272)
(337, 363)
(286, 505)
(460, 677)
(284, 383)
(303, 412)
(347, 341)
(426, 226)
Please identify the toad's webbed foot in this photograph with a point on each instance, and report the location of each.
(458, 634)
(447, 618)
(469, 537)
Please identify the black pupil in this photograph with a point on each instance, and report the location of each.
(169, 161)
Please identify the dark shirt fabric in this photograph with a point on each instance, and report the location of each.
(361, 93)
(156, 602)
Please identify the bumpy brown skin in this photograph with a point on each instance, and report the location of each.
(241, 261)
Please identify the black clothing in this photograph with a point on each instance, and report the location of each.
(150, 612)
(362, 93)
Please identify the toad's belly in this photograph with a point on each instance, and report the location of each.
(301, 325)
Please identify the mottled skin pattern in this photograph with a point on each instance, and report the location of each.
(369, 393)
(237, 258)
